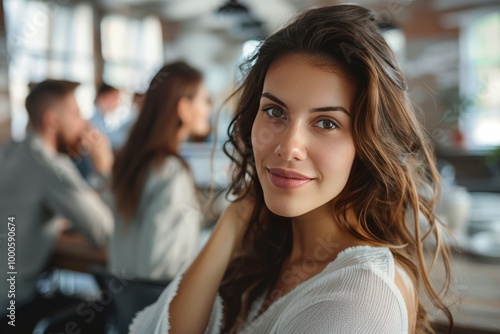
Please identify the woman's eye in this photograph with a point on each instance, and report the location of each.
(327, 124)
(274, 112)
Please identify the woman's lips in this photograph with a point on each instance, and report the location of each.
(287, 179)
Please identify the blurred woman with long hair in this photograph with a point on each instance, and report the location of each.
(331, 172)
(157, 212)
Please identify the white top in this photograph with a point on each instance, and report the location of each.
(163, 236)
(355, 293)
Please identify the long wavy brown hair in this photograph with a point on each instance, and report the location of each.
(393, 179)
(154, 135)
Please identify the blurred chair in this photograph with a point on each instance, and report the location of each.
(121, 298)
(67, 320)
(128, 296)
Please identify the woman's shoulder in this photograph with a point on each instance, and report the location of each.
(357, 265)
(364, 257)
(352, 272)
(171, 166)
(360, 278)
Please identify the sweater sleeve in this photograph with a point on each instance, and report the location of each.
(366, 303)
(68, 195)
(155, 319)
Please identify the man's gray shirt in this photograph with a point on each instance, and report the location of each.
(39, 187)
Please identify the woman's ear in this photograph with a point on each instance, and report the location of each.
(184, 110)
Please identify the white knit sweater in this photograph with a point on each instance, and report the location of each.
(355, 293)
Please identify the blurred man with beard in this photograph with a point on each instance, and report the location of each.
(39, 185)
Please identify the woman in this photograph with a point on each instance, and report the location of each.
(158, 217)
(330, 168)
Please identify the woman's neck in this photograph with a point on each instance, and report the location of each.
(317, 236)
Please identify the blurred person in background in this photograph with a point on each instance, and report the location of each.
(111, 121)
(157, 210)
(135, 109)
(107, 101)
(137, 103)
(41, 188)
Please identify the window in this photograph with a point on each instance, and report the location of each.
(132, 51)
(48, 40)
(480, 81)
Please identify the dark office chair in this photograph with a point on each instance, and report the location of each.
(121, 298)
(125, 297)
(68, 320)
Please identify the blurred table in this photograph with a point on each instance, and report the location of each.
(478, 292)
(74, 252)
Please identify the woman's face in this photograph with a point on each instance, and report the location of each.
(200, 108)
(302, 139)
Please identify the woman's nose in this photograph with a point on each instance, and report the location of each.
(292, 144)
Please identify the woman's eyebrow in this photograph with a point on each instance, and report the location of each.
(321, 109)
(274, 98)
(332, 108)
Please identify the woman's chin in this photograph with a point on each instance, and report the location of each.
(284, 210)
